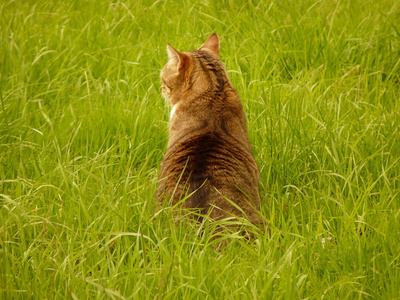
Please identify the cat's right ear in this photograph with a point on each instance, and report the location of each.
(179, 58)
(212, 45)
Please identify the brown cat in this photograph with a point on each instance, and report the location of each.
(209, 158)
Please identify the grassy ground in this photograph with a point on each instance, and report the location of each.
(83, 128)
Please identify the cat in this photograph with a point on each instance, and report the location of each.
(209, 158)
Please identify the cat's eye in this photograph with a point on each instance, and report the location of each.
(164, 83)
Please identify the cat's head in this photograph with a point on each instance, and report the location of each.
(192, 71)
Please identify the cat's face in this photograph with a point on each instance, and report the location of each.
(183, 68)
(171, 77)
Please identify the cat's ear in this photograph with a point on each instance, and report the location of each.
(212, 45)
(179, 58)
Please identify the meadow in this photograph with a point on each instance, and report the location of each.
(83, 129)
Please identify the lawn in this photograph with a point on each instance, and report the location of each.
(83, 129)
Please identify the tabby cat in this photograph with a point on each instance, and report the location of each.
(209, 158)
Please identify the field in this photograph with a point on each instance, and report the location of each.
(83, 129)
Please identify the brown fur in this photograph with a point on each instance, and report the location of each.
(209, 153)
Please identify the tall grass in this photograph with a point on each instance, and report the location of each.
(83, 129)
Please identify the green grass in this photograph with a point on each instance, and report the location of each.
(83, 128)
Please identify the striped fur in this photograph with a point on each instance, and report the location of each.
(209, 153)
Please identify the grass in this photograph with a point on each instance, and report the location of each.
(83, 128)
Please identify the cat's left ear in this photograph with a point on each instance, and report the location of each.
(179, 58)
(212, 45)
